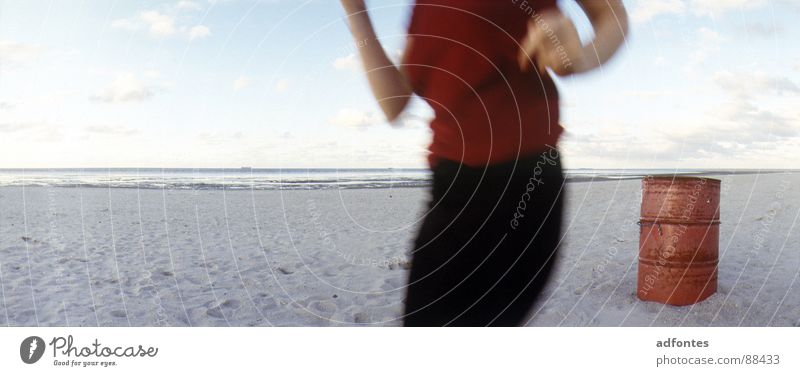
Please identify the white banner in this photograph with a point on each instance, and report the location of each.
(398, 351)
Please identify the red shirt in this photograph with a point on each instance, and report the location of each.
(462, 59)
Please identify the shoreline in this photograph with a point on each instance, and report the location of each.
(416, 183)
(580, 179)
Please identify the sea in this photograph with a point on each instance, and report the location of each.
(280, 178)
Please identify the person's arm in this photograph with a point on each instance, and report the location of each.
(553, 41)
(388, 83)
(610, 23)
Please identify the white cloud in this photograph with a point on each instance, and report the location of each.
(747, 84)
(32, 130)
(707, 35)
(159, 24)
(348, 117)
(219, 138)
(199, 31)
(19, 53)
(650, 94)
(12, 127)
(707, 42)
(241, 83)
(349, 62)
(282, 85)
(728, 135)
(762, 29)
(125, 88)
(125, 24)
(110, 130)
(755, 124)
(414, 120)
(714, 8)
(188, 5)
(647, 10)
(152, 73)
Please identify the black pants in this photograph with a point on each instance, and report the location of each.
(488, 243)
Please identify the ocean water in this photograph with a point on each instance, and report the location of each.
(266, 179)
(216, 178)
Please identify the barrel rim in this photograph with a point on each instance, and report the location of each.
(678, 177)
(699, 221)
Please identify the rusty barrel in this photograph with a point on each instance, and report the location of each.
(678, 239)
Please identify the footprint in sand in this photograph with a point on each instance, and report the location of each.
(147, 290)
(362, 318)
(231, 303)
(330, 272)
(322, 306)
(216, 311)
(25, 316)
(393, 284)
(255, 323)
(580, 290)
(29, 240)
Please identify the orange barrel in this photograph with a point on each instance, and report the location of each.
(678, 239)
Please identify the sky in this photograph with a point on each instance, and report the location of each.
(276, 83)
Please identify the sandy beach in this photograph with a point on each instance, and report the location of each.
(324, 257)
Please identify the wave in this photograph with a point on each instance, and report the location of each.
(283, 179)
(217, 179)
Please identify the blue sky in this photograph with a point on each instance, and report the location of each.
(229, 83)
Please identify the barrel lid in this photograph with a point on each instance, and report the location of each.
(678, 177)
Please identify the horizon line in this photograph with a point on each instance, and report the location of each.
(246, 168)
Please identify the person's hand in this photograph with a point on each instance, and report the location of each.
(552, 42)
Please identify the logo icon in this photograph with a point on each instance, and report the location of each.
(31, 349)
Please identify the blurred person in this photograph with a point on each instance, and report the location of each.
(488, 242)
